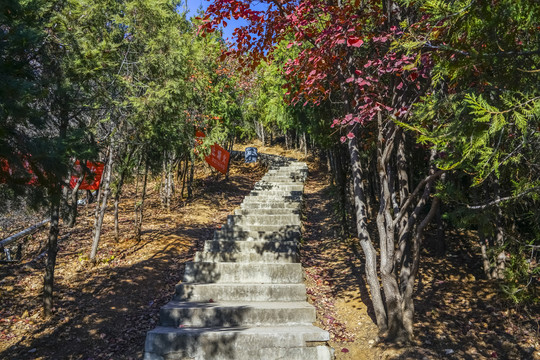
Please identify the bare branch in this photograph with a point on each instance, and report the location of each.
(426, 180)
(497, 201)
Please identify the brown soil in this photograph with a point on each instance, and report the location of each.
(458, 315)
(104, 311)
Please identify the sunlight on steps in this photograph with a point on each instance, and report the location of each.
(243, 296)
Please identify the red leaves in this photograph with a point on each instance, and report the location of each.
(354, 41)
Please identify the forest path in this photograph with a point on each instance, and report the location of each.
(243, 296)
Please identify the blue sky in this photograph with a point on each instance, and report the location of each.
(193, 6)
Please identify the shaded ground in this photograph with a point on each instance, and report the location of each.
(459, 315)
(334, 277)
(103, 312)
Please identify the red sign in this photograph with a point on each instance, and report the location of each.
(218, 158)
(96, 170)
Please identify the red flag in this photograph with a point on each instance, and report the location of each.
(91, 181)
(218, 158)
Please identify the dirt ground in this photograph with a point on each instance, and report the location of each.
(103, 312)
(459, 314)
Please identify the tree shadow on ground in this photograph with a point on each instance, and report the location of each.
(104, 312)
(324, 246)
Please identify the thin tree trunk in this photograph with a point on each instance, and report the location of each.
(305, 143)
(138, 230)
(365, 240)
(170, 184)
(52, 249)
(118, 192)
(229, 149)
(408, 301)
(386, 233)
(100, 208)
(138, 173)
(184, 177)
(191, 175)
(409, 269)
(485, 258)
(499, 236)
(163, 181)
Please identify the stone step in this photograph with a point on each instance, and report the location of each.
(243, 296)
(278, 246)
(286, 172)
(218, 343)
(277, 193)
(280, 179)
(270, 205)
(241, 234)
(282, 219)
(264, 185)
(290, 176)
(275, 228)
(230, 314)
(243, 257)
(244, 235)
(240, 292)
(262, 212)
(319, 352)
(262, 199)
(241, 273)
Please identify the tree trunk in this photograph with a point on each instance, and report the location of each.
(140, 206)
(499, 236)
(485, 258)
(163, 182)
(118, 191)
(100, 208)
(385, 228)
(305, 143)
(184, 177)
(365, 240)
(191, 175)
(403, 331)
(229, 149)
(170, 184)
(52, 242)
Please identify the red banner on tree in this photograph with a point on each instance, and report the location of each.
(218, 158)
(91, 181)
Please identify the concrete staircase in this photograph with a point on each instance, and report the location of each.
(243, 296)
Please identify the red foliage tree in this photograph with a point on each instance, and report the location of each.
(345, 55)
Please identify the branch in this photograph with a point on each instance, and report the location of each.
(284, 14)
(497, 201)
(408, 203)
(429, 46)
